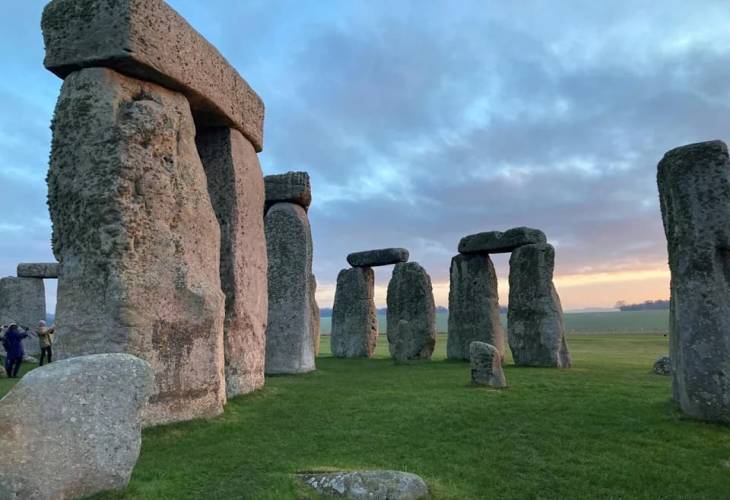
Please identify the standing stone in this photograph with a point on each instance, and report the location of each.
(23, 301)
(411, 317)
(354, 320)
(535, 324)
(314, 314)
(72, 428)
(486, 365)
(236, 188)
(289, 346)
(694, 192)
(137, 238)
(473, 306)
(291, 187)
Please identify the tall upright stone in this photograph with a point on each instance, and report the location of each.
(289, 346)
(473, 306)
(137, 239)
(314, 314)
(354, 320)
(23, 301)
(411, 317)
(694, 192)
(536, 330)
(236, 188)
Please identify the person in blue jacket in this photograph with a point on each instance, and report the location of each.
(13, 344)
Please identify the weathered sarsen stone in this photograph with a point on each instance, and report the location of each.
(137, 238)
(536, 330)
(291, 187)
(236, 188)
(501, 242)
(694, 193)
(72, 428)
(23, 301)
(46, 270)
(381, 257)
(473, 306)
(147, 39)
(354, 320)
(314, 315)
(662, 366)
(411, 316)
(289, 346)
(486, 365)
(368, 485)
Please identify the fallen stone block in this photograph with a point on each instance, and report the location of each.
(368, 485)
(501, 242)
(382, 257)
(72, 428)
(147, 39)
(662, 366)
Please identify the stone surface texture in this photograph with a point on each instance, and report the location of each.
(368, 485)
(411, 316)
(354, 320)
(662, 366)
(473, 306)
(501, 242)
(381, 257)
(72, 428)
(137, 238)
(314, 314)
(23, 301)
(694, 194)
(236, 188)
(47, 270)
(147, 39)
(536, 330)
(486, 365)
(289, 346)
(291, 187)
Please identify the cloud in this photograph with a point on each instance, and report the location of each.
(423, 122)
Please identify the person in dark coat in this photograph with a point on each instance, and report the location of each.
(13, 343)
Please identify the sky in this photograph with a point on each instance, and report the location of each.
(422, 122)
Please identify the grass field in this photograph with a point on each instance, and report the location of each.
(602, 429)
(589, 322)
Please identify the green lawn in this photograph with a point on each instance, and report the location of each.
(603, 429)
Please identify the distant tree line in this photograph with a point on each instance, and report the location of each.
(647, 305)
